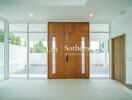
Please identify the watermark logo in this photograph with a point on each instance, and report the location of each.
(76, 48)
(70, 48)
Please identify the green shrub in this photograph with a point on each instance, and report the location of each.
(40, 48)
(14, 39)
(1, 37)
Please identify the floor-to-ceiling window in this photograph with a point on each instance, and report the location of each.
(28, 50)
(18, 50)
(1, 55)
(38, 50)
(99, 59)
(1, 49)
(99, 51)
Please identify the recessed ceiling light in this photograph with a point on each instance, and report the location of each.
(31, 14)
(90, 15)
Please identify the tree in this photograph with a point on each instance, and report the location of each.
(40, 48)
(1, 37)
(14, 39)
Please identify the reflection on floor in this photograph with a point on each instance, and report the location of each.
(97, 89)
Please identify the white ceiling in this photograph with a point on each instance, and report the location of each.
(44, 2)
(62, 10)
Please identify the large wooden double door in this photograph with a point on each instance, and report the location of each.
(67, 38)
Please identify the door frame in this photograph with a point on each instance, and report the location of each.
(112, 55)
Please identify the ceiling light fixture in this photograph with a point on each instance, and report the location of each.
(90, 15)
(31, 14)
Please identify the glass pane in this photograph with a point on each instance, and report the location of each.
(1, 26)
(1, 55)
(83, 54)
(38, 55)
(99, 59)
(37, 27)
(17, 27)
(53, 55)
(17, 55)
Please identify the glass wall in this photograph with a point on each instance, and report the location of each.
(99, 51)
(1, 55)
(37, 55)
(99, 59)
(38, 50)
(28, 50)
(1, 49)
(18, 51)
(17, 55)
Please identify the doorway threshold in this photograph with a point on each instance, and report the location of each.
(99, 75)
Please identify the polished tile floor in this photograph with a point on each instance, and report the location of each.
(93, 89)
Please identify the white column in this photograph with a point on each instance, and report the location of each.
(28, 51)
(105, 53)
(6, 51)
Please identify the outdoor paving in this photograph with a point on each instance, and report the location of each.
(34, 70)
(43, 70)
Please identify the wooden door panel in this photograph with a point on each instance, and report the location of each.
(87, 61)
(78, 55)
(59, 55)
(118, 50)
(70, 65)
(122, 59)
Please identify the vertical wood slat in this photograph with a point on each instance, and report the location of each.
(87, 62)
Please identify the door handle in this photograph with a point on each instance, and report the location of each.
(66, 58)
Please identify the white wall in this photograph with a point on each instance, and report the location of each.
(17, 58)
(38, 59)
(123, 24)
